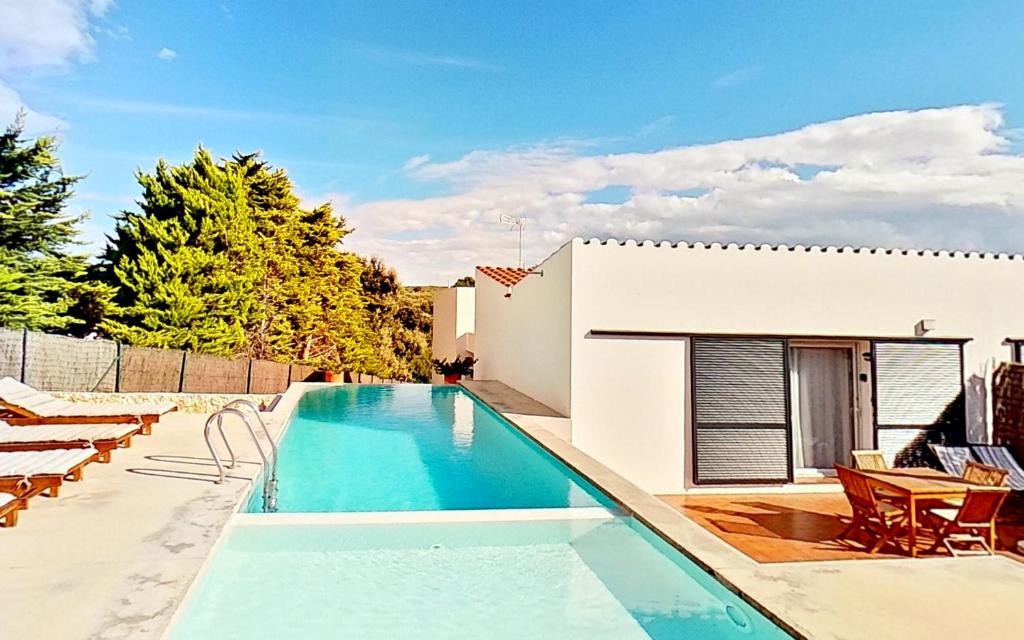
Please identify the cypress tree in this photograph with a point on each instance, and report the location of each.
(308, 306)
(185, 268)
(325, 303)
(38, 270)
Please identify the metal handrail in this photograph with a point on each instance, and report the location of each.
(266, 432)
(270, 479)
(269, 463)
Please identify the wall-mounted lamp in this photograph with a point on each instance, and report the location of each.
(924, 326)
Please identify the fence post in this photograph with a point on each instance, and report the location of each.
(24, 353)
(117, 369)
(181, 376)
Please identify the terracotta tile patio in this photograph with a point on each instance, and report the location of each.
(803, 527)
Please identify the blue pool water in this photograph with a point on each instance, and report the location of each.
(604, 579)
(414, 448)
(458, 568)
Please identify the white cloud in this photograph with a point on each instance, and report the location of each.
(39, 35)
(167, 54)
(47, 33)
(944, 178)
(415, 162)
(733, 78)
(35, 122)
(404, 58)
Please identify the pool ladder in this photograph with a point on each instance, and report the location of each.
(246, 410)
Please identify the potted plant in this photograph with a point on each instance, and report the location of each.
(454, 370)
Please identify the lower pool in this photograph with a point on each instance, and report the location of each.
(593, 579)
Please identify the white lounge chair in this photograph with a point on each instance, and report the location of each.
(953, 459)
(29, 473)
(24, 405)
(999, 456)
(103, 437)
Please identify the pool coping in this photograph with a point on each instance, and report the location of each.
(685, 536)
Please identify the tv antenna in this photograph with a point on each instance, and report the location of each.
(516, 223)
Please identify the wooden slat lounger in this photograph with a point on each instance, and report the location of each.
(24, 405)
(103, 437)
(10, 505)
(28, 473)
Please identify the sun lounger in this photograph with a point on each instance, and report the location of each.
(103, 437)
(999, 456)
(23, 405)
(953, 459)
(10, 505)
(29, 473)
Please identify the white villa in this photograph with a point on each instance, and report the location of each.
(684, 365)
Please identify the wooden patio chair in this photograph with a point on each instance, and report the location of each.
(878, 518)
(972, 522)
(1000, 456)
(869, 460)
(984, 474)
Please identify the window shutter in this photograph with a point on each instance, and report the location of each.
(918, 392)
(741, 410)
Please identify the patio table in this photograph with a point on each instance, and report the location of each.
(915, 485)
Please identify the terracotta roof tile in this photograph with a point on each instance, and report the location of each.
(506, 276)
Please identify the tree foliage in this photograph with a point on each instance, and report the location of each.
(400, 324)
(222, 259)
(219, 257)
(40, 274)
(185, 268)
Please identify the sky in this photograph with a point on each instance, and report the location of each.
(846, 123)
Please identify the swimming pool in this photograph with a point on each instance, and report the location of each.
(413, 448)
(414, 511)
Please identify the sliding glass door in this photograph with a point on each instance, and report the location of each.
(823, 416)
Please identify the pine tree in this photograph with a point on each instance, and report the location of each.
(38, 271)
(186, 267)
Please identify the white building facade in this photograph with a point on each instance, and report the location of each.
(453, 320)
(691, 365)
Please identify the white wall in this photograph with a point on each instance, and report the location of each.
(629, 408)
(523, 340)
(453, 325)
(628, 394)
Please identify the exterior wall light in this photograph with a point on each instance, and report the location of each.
(923, 327)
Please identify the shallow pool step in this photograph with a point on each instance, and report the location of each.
(416, 517)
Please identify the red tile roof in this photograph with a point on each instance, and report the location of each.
(507, 276)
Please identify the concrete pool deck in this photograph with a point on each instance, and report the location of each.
(114, 555)
(907, 599)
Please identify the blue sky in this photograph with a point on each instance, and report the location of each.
(422, 121)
